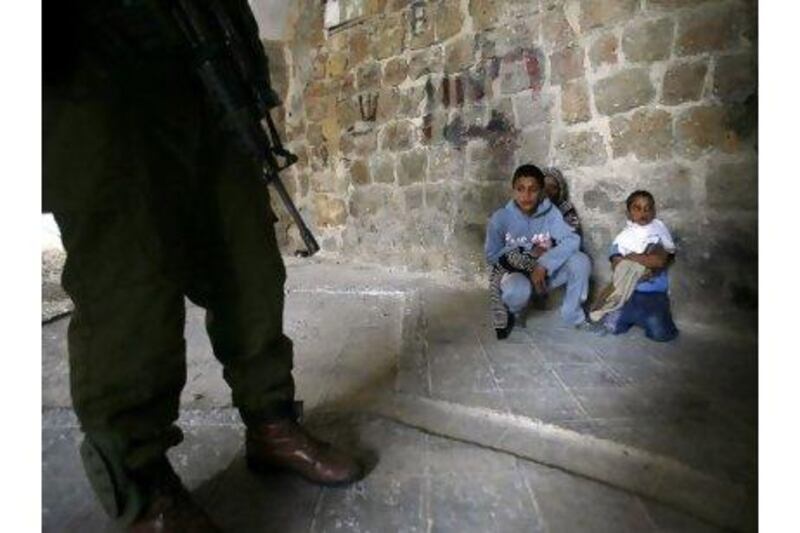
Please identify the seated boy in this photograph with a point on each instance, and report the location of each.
(645, 241)
(519, 248)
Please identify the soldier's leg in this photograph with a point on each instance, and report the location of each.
(126, 349)
(239, 279)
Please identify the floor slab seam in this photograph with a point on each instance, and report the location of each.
(488, 362)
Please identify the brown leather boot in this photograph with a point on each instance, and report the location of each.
(171, 508)
(285, 445)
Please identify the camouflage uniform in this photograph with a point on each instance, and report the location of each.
(154, 204)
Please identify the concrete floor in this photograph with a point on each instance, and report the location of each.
(551, 430)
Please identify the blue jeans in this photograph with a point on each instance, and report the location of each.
(574, 273)
(648, 310)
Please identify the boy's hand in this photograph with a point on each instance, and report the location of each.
(539, 279)
(615, 261)
(538, 251)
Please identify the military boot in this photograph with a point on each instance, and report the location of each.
(285, 446)
(170, 508)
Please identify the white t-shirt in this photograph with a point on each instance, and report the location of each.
(635, 238)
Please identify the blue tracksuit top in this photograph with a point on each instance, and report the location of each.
(510, 228)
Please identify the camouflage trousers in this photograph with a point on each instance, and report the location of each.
(193, 221)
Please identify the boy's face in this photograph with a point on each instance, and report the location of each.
(527, 194)
(642, 211)
(551, 188)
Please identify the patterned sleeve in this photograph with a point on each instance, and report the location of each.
(517, 260)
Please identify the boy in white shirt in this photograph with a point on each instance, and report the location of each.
(646, 241)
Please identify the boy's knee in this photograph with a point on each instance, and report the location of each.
(516, 290)
(579, 265)
(659, 330)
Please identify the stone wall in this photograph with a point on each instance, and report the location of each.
(410, 120)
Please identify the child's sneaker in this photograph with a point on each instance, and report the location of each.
(593, 327)
(503, 333)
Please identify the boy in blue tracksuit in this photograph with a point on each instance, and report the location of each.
(520, 250)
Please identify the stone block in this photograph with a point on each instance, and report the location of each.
(446, 164)
(575, 102)
(359, 172)
(359, 144)
(521, 70)
(412, 166)
(735, 77)
(459, 55)
(670, 184)
(489, 161)
(381, 167)
(395, 71)
(319, 61)
(648, 41)
(358, 47)
(369, 201)
(368, 77)
(389, 35)
(580, 148)
(433, 127)
(477, 159)
(595, 13)
(704, 128)
(396, 5)
(347, 113)
(336, 65)
(532, 109)
(374, 7)
(474, 116)
(706, 29)
(733, 186)
(389, 102)
(623, 91)
(317, 108)
(647, 134)
(329, 211)
(397, 136)
(326, 180)
(604, 50)
(508, 39)
(566, 64)
(557, 32)
(477, 201)
(534, 146)
(605, 196)
(449, 20)
(670, 5)
(683, 82)
(331, 132)
(414, 197)
(484, 13)
(420, 16)
(411, 101)
(319, 157)
(430, 60)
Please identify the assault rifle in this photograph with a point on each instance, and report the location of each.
(231, 64)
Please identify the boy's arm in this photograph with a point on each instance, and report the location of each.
(495, 245)
(567, 243)
(655, 258)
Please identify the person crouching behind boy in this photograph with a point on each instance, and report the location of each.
(520, 251)
(646, 241)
